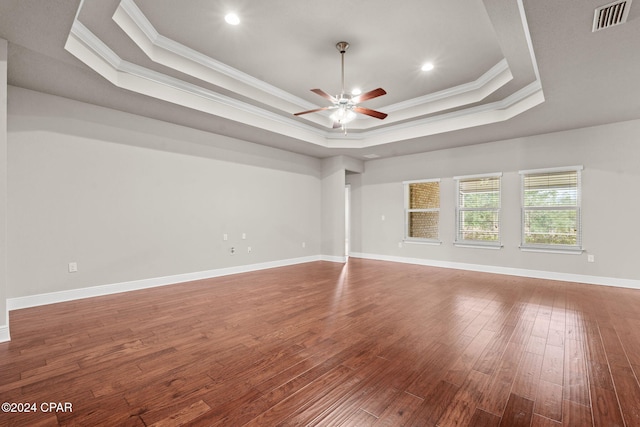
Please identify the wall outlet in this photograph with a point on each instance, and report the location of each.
(73, 267)
(225, 237)
(233, 250)
(382, 218)
(591, 258)
(399, 244)
(244, 236)
(249, 250)
(304, 245)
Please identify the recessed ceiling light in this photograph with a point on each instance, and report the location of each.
(427, 66)
(356, 92)
(232, 19)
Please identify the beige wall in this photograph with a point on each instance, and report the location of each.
(610, 155)
(130, 198)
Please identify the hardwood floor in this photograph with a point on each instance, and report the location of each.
(366, 344)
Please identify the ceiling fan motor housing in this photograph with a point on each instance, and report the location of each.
(342, 46)
(344, 99)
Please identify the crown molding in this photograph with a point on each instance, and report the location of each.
(87, 47)
(97, 55)
(494, 72)
(175, 55)
(517, 103)
(503, 105)
(172, 54)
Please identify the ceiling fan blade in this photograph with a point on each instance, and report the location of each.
(370, 112)
(324, 95)
(371, 94)
(313, 111)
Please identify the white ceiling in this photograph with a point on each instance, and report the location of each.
(503, 69)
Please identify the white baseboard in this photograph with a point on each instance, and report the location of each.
(4, 334)
(537, 274)
(332, 258)
(114, 288)
(74, 294)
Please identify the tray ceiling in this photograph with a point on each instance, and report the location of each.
(248, 80)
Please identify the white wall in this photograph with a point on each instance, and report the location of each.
(131, 198)
(610, 155)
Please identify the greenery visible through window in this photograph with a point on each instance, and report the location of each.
(551, 209)
(422, 210)
(478, 210)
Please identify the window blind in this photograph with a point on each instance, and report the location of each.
(478, 210)
(551, 209)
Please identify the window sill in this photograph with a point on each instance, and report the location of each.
(552, 250)
(478, 245)
(423, 242)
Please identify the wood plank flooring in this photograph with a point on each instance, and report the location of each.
(368, 343)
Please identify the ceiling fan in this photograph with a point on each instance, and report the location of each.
(345, 104)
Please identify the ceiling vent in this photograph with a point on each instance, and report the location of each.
(611, 14)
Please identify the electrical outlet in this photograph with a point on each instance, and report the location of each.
(244, 236)
(304, 245)
(591, 258)
(225, 237)
(399, 244)
(382, 218)
(73, 267)
(249, 250)
(233, 250)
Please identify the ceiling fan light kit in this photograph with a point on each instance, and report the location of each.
(345, 104)
(343, 115)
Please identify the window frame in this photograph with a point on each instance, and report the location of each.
(408, 210)
(458, 241)
(544, 247)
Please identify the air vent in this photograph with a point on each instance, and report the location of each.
(611, 14)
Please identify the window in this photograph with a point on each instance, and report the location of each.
(478, 210)
(551, 209)
(422, 210)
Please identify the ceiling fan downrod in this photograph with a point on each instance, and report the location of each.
(342, 48)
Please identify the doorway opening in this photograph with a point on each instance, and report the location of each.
(347, 221)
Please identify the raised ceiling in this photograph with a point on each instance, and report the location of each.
(503, 69)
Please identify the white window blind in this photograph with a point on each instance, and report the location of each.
(422, 210)
(478, 210)
(551, 209)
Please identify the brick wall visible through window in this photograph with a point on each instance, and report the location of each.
(422, 210)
